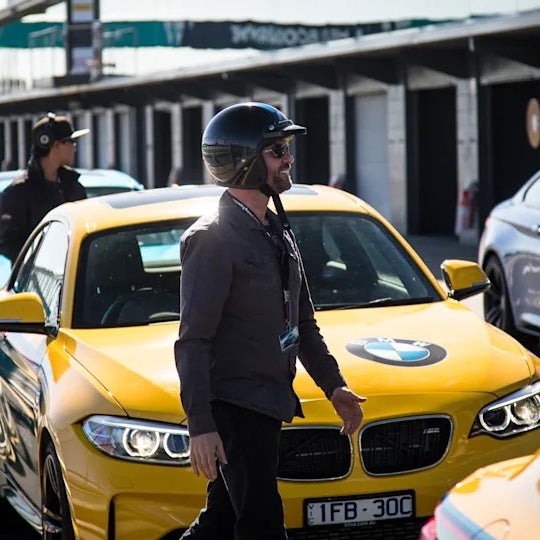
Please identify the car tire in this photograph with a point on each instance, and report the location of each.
(497, 307)
(55, 512)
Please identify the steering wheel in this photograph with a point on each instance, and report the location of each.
(142, 306)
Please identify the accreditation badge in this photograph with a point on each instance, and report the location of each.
(289, 338)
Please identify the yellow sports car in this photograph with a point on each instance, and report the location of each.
(92, 434)
(500, 501)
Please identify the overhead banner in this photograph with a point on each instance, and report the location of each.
(199, 35)
(264, 36)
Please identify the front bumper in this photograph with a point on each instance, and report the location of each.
(116, 499)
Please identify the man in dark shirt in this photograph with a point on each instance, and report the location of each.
(47, 182)
(246, 315)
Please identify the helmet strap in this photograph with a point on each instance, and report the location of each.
(265, 189)
(281, 213)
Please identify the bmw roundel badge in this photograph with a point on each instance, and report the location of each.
(396, 352)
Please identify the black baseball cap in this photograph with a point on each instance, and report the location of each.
(57, 127)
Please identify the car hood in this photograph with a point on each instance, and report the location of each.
(501, 500)
(420, 349)
(503, 205)
(425, 348)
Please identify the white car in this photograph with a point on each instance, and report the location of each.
(107, 181)
(96, 181)
(509, 253)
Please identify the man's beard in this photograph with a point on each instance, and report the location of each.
(281, 181)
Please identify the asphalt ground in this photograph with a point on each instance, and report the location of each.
(435, 249)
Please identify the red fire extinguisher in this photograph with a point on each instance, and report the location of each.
(465, 209)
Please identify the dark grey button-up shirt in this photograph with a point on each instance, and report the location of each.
(232, 314)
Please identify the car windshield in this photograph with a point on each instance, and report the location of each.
(352, 261)
(131, 276)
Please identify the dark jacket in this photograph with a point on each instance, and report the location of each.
(26, 201)
(232, 314)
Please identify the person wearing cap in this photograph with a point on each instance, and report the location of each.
(246, 315)
(47, 182)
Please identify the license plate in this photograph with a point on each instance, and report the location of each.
(355, 510)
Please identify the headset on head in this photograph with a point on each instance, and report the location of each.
(44, 136)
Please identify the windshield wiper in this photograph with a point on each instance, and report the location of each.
(378, 302)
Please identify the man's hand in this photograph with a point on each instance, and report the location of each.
(347, 404)
(204, 449)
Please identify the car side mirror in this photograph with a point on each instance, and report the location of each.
(22, 312)
(463, 278)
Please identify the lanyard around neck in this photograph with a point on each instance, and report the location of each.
(282, 255)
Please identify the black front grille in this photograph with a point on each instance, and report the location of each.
(405, 444)
(408, 529)
(313, 454)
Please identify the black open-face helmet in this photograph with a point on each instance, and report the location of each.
(233, 140)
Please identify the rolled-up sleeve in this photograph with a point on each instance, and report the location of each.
(204, 287)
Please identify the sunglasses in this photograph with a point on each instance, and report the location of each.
(278, 150)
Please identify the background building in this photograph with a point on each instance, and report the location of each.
(421, 107)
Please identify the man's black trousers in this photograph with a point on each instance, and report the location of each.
(243, 503)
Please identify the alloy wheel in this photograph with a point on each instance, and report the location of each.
(56, 516)
(496, 298)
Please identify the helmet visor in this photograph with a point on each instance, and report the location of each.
(283, 128)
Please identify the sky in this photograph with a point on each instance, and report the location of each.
(295, 11)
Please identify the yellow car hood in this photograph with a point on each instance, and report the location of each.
(422, 349)
(136, 365)
(501, 500)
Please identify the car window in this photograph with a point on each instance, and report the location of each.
(352, 259)
(43, 266)
(532, 197)
(129, 276)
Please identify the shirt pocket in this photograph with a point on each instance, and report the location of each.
(261, 272)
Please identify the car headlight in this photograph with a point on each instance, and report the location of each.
(138, 440)
(513, 414)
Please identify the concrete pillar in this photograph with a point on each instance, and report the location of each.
(286, 105)
(337, 150)
(8, 150)
(109, 140)
(131, 127)
(22, 144)
(397, 156)
(149, 146)
(89, 139)
(467, 144)
(85, 145)
(177, 160)
(103, 140)
(126, 139)
(207, 115)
